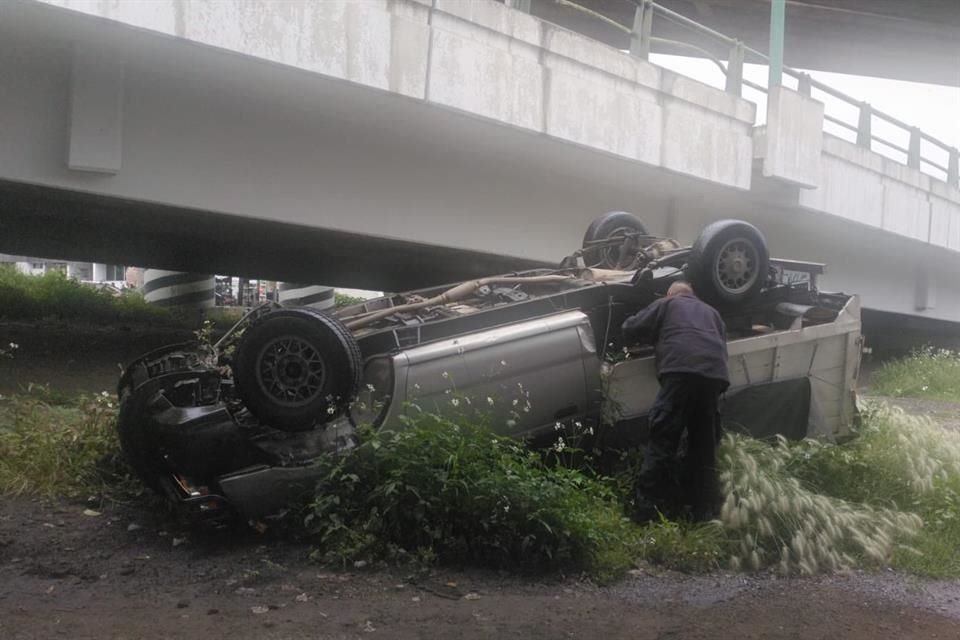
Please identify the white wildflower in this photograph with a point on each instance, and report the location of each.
(445, 375)
(455, 402)
(489, 401)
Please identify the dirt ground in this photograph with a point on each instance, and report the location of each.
(77, 570)
(126, 573)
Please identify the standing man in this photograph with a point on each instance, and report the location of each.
(691, 358)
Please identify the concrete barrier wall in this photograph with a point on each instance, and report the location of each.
(863, 186)
(482, 58)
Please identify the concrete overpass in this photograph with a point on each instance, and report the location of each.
(917, 40)
(389, 144)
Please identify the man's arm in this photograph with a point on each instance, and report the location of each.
(643, 325)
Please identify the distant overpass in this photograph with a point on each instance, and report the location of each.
(394, 144)
(916, 40)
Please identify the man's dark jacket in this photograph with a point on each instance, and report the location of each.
(689, 335)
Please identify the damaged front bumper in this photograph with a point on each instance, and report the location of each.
(186, 437)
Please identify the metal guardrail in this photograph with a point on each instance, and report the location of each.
(641, 38)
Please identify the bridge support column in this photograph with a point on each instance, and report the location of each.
(176, 289)
(306, 295)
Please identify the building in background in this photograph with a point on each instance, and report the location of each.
(95, 272)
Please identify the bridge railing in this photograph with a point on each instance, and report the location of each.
(847, 116)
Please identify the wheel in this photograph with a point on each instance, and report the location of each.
(729, 262)
(613, 225)
(136, 443)
(297, 368)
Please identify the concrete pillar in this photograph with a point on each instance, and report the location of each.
(172, 288)
(306, 295)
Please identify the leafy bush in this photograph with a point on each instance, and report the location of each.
(53, 295)
(439, 489)
(53, 446)
(925, 373)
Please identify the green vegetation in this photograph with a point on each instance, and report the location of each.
(889, 496)
(53, 445)
(926, 373)
(344, 300)
(775, 518)
(904, 464)
(439, 489)
(448, 490)
(53, 295)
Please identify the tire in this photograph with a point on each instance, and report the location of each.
(137, 445)
(610, 225)
(729, 262)
(297, 368)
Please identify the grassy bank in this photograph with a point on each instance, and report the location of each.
(54, 296)
(925, 373)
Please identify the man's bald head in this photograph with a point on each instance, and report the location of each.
(679, 288)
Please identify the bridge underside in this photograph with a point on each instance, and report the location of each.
(44, 221)
(238, 165)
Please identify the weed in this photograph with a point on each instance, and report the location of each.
(52, 446)
(925, 373)
(694, 548)
(459, 493)
(773, 518)
(899, 462)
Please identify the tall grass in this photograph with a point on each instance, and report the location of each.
(53, 295)
(54, 446)
(774, 518)
(925, 373)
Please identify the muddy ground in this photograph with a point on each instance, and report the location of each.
(79, 570)
(127, 573)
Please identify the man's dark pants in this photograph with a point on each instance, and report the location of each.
(685, 402)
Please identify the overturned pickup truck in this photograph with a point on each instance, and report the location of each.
(240, 423)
